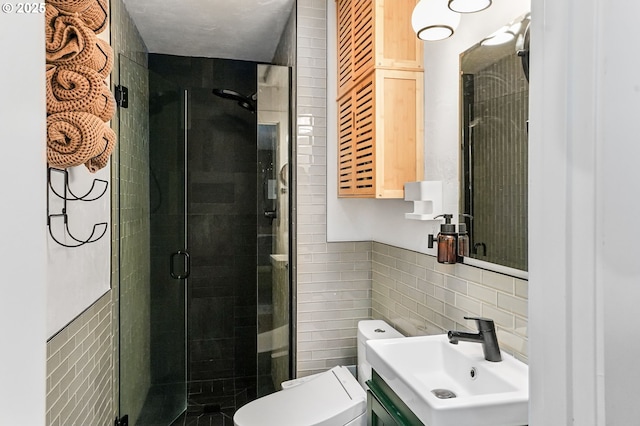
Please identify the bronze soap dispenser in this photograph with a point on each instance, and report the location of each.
(447, 241)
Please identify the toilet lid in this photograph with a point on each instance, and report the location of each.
(331, 399)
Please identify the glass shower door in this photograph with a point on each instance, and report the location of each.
(154, 263)
(273, 279)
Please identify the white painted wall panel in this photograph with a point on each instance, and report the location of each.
(23, 224)
(77, 277)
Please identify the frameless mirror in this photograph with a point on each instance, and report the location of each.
(494, 118)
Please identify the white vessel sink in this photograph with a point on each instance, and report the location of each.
(487, 393)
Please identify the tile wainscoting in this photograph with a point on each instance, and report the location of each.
(80, 369)
(419, 296)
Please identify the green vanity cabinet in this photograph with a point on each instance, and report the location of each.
(385, 408)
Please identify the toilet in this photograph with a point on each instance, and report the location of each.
(331, 398)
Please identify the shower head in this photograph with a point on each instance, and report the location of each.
(229, 94)
(522, 50)
(473, 123)
(246, 102)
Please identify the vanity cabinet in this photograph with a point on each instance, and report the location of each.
(385, 408)
(380, 99)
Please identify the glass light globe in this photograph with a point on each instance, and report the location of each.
(432, 20)
(503, 35)
(468, 6)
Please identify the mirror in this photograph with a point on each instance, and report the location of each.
(494, 118)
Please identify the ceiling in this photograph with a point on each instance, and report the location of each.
(231, 29)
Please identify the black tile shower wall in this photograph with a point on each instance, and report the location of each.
(222, 176)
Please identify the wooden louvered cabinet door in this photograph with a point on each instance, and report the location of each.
(364, 154)
(345, 46)
(356, 154)
(363, 43)
(355, 42)
(345, 146)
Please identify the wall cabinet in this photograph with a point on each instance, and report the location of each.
(380, 99)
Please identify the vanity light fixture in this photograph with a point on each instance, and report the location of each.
(432, 20)
(503, 35)
(468, 6)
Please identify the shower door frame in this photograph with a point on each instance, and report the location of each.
(291, 189)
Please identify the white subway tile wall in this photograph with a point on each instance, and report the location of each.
(419, 296)
(80, 368)
(334, 279)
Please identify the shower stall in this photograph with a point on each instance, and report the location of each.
(204, 236)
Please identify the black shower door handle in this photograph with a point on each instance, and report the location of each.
(187, 265)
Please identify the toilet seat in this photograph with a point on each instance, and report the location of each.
(332, 398)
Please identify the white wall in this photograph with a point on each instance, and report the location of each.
(383, 220)
(617, 188)
(77, 277)
(23, 225)
(583, 274)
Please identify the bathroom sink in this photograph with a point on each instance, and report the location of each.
(486, 393)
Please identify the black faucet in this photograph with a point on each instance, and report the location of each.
(486, 335)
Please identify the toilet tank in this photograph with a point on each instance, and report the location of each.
(371, 330)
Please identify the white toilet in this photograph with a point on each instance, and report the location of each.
(332, 398)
